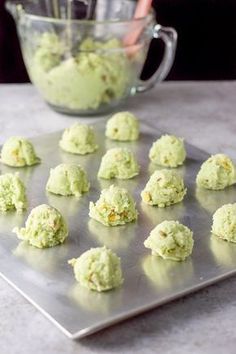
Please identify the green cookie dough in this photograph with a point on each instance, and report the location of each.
(123, 126)
(68, 179)
(114, 207)
(78, 139)
(18, 152)
(12, 193)
(98, 269)
(168, 151)
(49, 52)
(170, 240)
(118, 163)
(164, 188)
(224, 222)
(45, 227)
(217, 172)
(96, 74)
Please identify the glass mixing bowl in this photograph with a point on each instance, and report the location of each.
(85, 66)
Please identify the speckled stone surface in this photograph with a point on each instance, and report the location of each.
(205, 322)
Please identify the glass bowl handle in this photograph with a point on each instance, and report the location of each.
(169, 36)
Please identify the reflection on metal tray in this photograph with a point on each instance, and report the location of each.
(46, 280)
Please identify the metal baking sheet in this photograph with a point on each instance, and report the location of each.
(47, 281)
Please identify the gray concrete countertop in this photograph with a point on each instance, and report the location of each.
(204, 113)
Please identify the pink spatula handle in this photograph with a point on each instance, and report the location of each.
(142, 10)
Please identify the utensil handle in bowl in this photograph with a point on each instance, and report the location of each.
(169, 36)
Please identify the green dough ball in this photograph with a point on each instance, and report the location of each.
(118, 163)
(45, 227)
(114, 207)
(97, 73)
(68, 179)
(218, 172)
(98, 269)
(164, 188)
(18, 152)
(224, 222)
(168, 151)
(12, 193)
(123, 126)
(78, 139)
(170, 240)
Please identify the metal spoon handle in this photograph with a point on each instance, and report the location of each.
(91, 9)
(56, 8)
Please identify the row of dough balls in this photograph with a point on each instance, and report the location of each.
(99, 268)
(216, 173)
(164, 188)
(80, 139)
